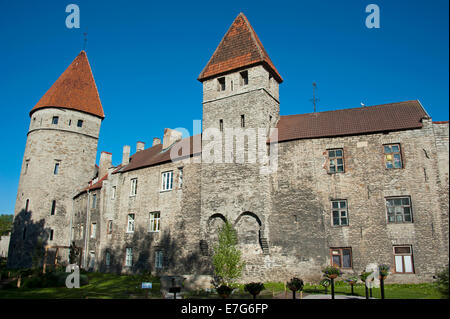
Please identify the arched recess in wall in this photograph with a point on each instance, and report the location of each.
(215, 221)
(248, 227)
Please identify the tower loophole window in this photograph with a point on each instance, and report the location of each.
(55, 120)
(244, 77)
(221, 86)
(80, 123)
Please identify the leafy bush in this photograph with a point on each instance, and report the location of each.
(442, 281)
(254, 288)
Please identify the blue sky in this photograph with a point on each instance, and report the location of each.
(146, 56)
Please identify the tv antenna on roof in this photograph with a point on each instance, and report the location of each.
(314, 100)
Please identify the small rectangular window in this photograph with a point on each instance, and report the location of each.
(166, 181)
(158, 259)
(403, 260)
(133, 191)
(51, 234)
(180, 177)
(130, 224)
(336, 160)
(399, 210)
(221, 84)
(392, 156)
(94, 200)
(110, 227)
(155, 222)
(129, 257)
(244, 77)
(93, 230)
(113, 192)
(56, 169)
(341, 257)
(26, 166)
(52, 212)
(221, 125)
(80, 123)
(55, 120)
(339, 212)
(27, 203)
(107, 258)
(242, 120)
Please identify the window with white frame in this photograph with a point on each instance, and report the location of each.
(158, 259)
(155, 222)
(166, 181)
(403, 259)
(129, 257)
(133, 187)
(130, 224)
(340, 213)
(399, 210)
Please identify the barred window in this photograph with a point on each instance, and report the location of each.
(158, 259)
(399, 210)
(336, 161)
(392, 156)
(340, 213)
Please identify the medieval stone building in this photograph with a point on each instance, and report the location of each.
(349, 187)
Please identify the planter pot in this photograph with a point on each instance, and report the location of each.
(332, 276)
(382, 277)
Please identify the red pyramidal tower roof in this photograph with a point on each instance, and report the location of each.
(239, 48)
(75, 89)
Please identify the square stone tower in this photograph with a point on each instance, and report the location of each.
(240, 107)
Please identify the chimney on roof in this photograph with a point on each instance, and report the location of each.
(140, 146)
(171, 137)
(105, 163)
(126, 155)
(156, 141)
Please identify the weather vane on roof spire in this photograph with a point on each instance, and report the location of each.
(314, 99)
(85, 41)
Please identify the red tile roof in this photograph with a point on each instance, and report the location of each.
(74, 89)
(239, 48)
(156, 155)
(361, 120)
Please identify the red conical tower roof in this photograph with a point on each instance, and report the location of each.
(239, 48)
(75, 89)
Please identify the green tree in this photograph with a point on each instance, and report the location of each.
(442, 281)
(5, 224)
(227, 257)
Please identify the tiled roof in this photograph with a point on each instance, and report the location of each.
(361, 120)
(239, 48)
(74, 89)
(156, 155)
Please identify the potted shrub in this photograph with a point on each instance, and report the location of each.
(254, 288)
(224, 291)
(383, 269)
(295, 284)
(331, 272)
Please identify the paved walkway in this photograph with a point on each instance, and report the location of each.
(335, 297)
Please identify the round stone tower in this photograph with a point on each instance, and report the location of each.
(59, 160)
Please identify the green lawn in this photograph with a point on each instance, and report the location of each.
(122, 286)
(101, 286)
